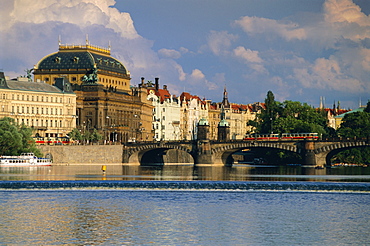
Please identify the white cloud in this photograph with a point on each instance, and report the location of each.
(251, 58)
(168, 53)
(345, 19)
(197, 75)
(256, 25)
(327, 74)
(337, 11)
(198, 78)
(247, 54)
(82, 13)
(220, 42)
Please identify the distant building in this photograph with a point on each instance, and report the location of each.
(50, 110)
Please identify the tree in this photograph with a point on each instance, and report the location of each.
(96, 136)
(355, 124)
(15, 139)
(264, 121)
(298, 117)
(289, 117)
(75, 134)
(367, 109)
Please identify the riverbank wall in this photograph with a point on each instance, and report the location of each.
(84, 154)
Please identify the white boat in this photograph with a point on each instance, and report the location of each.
(24, 160)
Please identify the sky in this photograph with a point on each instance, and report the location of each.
(301, 50)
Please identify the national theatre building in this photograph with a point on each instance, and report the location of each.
(104, 98)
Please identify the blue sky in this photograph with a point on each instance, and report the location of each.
(301, 50)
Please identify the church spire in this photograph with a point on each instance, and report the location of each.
(225, 100)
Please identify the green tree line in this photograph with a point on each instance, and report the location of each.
(297, 117)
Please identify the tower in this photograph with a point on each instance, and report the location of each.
(223, 127)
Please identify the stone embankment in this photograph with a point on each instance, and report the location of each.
(83, 154)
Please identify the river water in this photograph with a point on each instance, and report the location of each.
(184, 205)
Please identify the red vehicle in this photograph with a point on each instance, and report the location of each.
(299, 136)
(52, 140)
(283, 136)
(262, 137)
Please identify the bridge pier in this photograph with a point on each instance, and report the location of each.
(308, 154)
(204, 153)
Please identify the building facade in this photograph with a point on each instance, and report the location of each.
(105, 100)
(50, 110)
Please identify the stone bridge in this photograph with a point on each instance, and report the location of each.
(315, 153)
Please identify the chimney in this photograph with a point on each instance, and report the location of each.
(142, 80)
(156, 84)
(165, 87)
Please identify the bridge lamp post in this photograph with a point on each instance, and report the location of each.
(106, 132)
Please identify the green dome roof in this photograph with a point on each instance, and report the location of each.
(223, 123)
(81, 59)
(203, 122)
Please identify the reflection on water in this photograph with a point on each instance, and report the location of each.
(187, 173)
(116, 217)
(269, 216)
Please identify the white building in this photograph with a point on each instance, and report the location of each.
(193, 109)
(166, 117)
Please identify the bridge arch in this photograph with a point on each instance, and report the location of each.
(326, 152)
(146, 154)
(223, 154)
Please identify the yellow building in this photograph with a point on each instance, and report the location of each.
(49, 110)
(77, 63)
(105, 101)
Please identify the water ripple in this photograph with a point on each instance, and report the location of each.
(191, 185)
